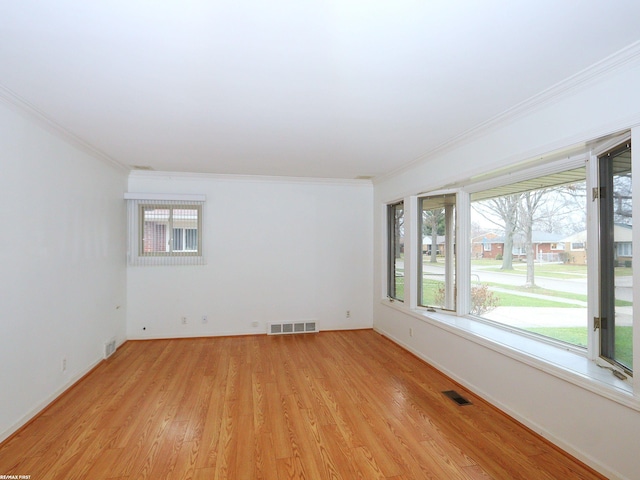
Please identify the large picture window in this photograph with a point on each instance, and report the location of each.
(546, 253)
(525, 281)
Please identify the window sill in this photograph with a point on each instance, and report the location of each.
(555, 360)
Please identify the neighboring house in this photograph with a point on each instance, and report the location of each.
(547, 247)
(623, 247)
(575, 246)
(483, 246)
(426, 245)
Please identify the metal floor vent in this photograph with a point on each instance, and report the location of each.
(456, 397)
(109, 348)
(284, 328)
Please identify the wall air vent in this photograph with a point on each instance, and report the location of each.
(285, 328)
(456, 397)
(109, 348)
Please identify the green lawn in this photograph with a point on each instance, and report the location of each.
(430, 289)
(515, 300)
(552, 293)
(551, 271)
(578, 336)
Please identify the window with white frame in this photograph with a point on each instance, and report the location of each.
(540, 283)
(169, 229)
(522, 289)
(616, 285)
(436, 267)
(395, 251)
(165, 231)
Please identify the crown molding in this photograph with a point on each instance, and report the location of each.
(164, 175)
(562, 89)
(15, 101)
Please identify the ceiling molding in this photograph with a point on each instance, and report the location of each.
(13, 100)
(163, 175)
(607, 66)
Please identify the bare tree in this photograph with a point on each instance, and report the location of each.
(622, 198)
(528, 205)
(431, 221)
(503, 212)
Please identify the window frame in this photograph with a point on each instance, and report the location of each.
(565, 361)
(392, 228)
(170, 230)
(606, 255)
(135, 226)
(450, 299)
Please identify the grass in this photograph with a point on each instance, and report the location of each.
(552, 293)
(505, 299)
(514, 300)
(578, 336)
(552, 270)
(573, 335)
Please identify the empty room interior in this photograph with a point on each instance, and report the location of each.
(338, 239)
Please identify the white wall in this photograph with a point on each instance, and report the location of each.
(599, 431)
(277, 250)
(62, 253)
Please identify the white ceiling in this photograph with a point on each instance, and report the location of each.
(317, 88)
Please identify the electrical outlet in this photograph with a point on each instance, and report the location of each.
(64, 364)
(205, 319)
(183, 320)
(348, 314)
(411, 332)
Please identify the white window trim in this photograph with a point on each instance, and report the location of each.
(134, 200)
(578, 366)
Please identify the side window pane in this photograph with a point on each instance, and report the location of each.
(395, 218)
(528, 251)
(155, 230)
(616, 291)
(437, 267)
(191, 239)
(178, 239)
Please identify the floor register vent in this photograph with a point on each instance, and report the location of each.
(456, 397)
(285, 328)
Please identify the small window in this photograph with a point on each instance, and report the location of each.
(436, 277)
(577, 246)
(169, 229)
(395, 254)
(165, 232)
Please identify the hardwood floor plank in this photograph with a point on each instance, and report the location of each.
(334, 405)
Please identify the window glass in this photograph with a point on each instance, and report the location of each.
(534, 276)
(168, 230)
(395, 254)
(436, 277)
(616, 292)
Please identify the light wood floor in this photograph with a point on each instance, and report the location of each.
(335, 405)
